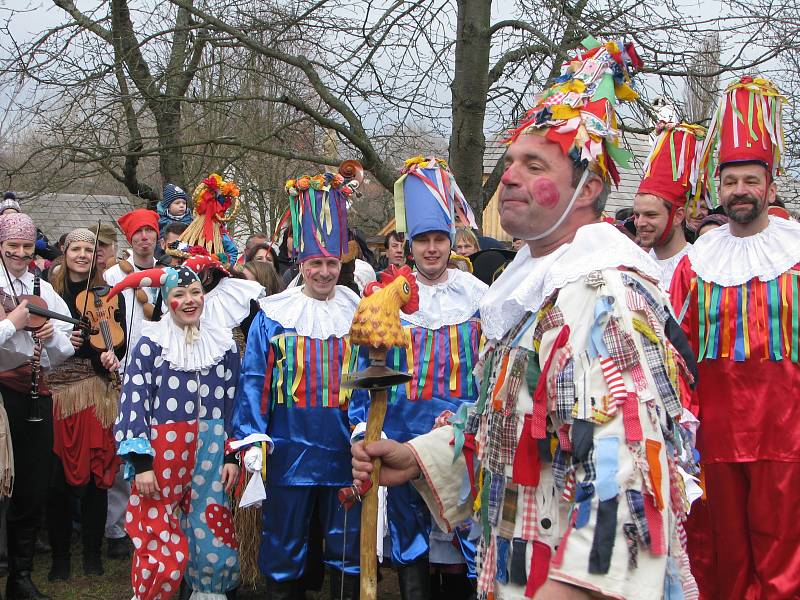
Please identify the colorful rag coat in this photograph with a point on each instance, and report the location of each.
(570, 458)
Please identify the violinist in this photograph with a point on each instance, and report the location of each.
(32, 442)
(85, 405)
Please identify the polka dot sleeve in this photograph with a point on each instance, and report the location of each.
(232, 365)
(133, 421)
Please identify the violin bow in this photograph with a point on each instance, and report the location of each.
(8, 276)
(91, 270)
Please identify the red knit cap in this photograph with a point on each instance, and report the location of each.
(669, 167)
(133, 221)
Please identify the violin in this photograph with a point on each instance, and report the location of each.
(39, 313)
(103, 317)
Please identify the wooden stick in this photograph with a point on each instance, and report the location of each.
(369, 507)
(369, 502)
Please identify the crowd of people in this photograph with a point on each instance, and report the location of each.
(606, 409)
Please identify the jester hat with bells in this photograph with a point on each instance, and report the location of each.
(578, 112)
(167, 278)
(747, 127)
(671, 169)
(318, 212)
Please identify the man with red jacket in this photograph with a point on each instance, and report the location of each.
(737, 294)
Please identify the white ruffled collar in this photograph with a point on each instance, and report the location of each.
(527, 282)
(228, 304)
(317, 319)
(448, 303)
(189, 351)
(667, 266)
(725, 259)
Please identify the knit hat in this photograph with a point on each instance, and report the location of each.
(78, 235)
(9, 201)
(171, 193)
(17, 226)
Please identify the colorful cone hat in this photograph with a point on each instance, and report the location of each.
(747, 127)
(318, 212)
(578, 112)
(427, 198)
(669, 170)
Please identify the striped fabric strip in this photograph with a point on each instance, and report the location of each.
(655, 525)
(529, 516)
(615, 383)
(455, 359)
(793, 278)
(488, 567)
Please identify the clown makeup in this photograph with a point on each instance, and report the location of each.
(320, 275)
(143, 243)
(186, 304)
(544, 192)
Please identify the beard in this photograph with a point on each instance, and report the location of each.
(744, 217)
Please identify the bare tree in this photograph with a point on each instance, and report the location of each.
(702, 86)
(171, 90)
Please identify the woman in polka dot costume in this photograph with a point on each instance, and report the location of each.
(172, 429)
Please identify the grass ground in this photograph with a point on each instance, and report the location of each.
(115, 584)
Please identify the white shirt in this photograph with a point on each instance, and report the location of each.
(667, 266)
(18, 347)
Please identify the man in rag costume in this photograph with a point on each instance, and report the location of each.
(570, 458)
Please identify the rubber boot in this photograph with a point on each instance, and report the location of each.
(349, 589)
(415, 581)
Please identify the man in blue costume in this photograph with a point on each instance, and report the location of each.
(444, 339)
(297, 353)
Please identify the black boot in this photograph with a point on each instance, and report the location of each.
(284, 590)
(20, 562)
(415, 581)
(59, 569)
(92, 564)
(349, 589)
(118, 548)
(457, 586)
(20, 587)
(94, 507)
